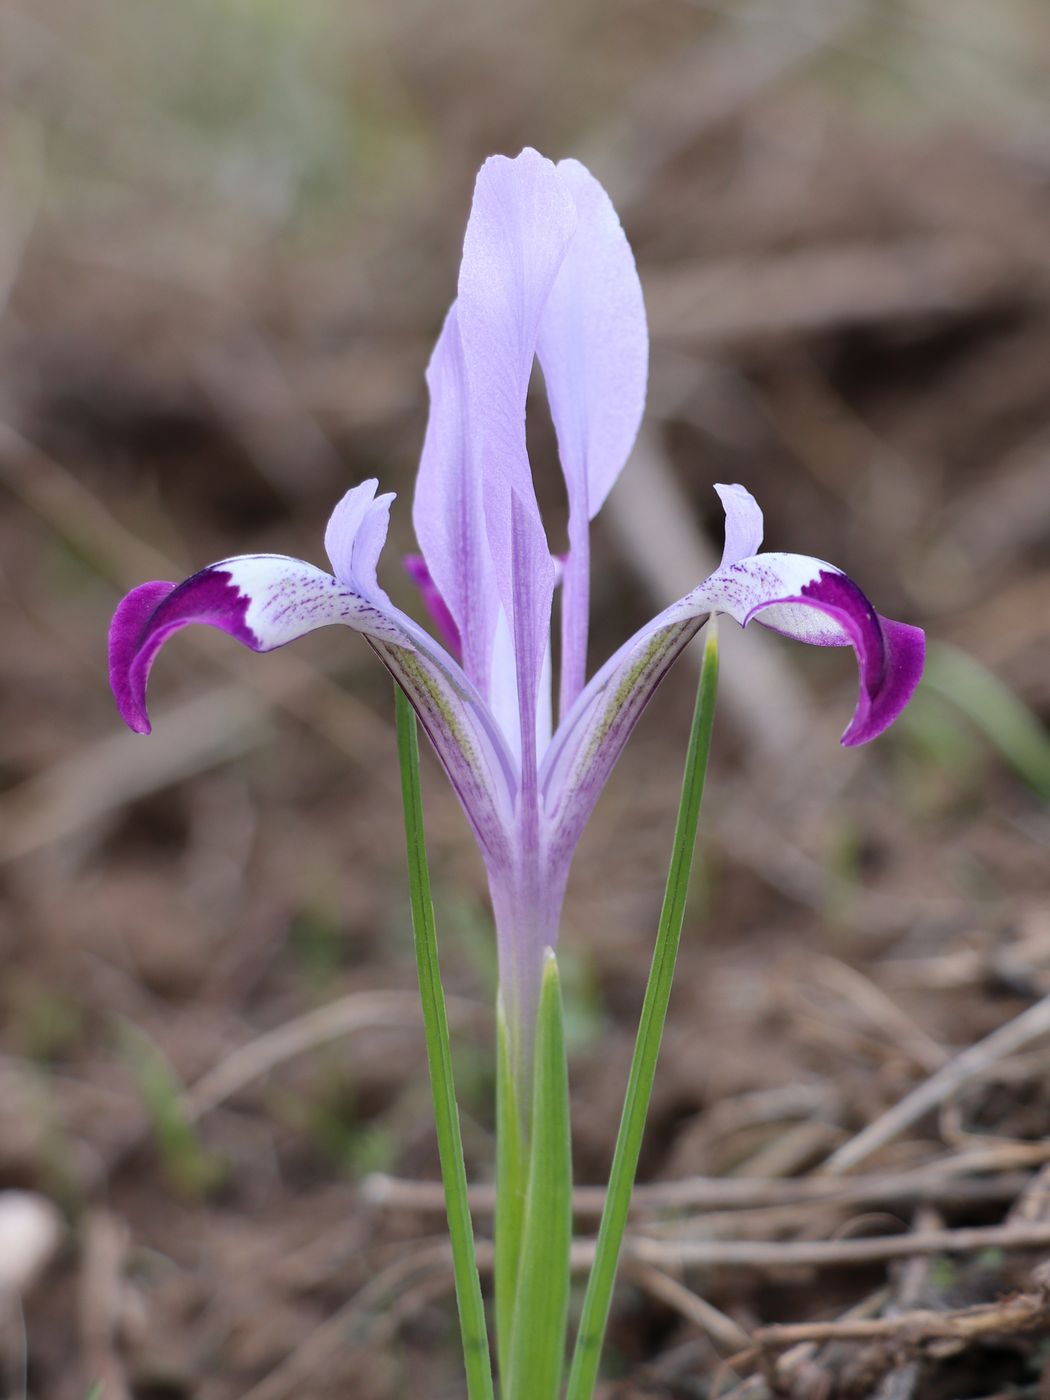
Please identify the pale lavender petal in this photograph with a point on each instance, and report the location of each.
(801, 597)
(743, 523)
(448, 509)
(589, 740)
(355, 536)
(594, 350)
(545, 703)
(594, 345)
(266, 601)
(504, 698)
(527, 909)
(520, 226)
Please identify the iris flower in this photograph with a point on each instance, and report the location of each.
(546, 274)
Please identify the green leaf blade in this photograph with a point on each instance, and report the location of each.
(542, 1307)
(598, 1297)
(473, 1329)
(511, 1180)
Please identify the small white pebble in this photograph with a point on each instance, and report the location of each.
(30, 1233)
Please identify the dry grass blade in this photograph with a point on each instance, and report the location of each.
(427, 1269)
(1007, 1040)
(696, 1310)
(356, 1012)
(79, 792)
(879, 1010)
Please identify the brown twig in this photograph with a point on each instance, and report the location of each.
(1022, 1313)
(785, 1254)
(645, 1259)
(944, 1181)
(901, 1380)
(696, 1310)
(793, 1363)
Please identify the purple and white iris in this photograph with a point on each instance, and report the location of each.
(546, 273)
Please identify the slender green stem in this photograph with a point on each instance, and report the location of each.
(598, 1297)
(439, 1056)
(541, 1311)
(512, 1174)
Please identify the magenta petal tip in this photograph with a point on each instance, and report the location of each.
(126, 633)
(890, 655)
(148, 616)
(905, 654)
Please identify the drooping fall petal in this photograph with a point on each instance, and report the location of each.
(265, 601)
(801, 597)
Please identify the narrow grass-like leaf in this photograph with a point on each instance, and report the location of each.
(541, 1313)
(598, 1297)
(190, 1167)
(439, 1056)
(511, 1178)
(1000, 714)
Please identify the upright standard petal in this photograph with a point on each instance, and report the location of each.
(743, 523)
(355, 536)
(268, 600)
(594, 350)
(520, 226)
(803, 598)
(448, 511)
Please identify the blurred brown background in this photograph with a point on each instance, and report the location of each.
(229, 230)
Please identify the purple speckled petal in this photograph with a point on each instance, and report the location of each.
(589, 740)
(594, 349)
(801, 597)
(268, 600)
